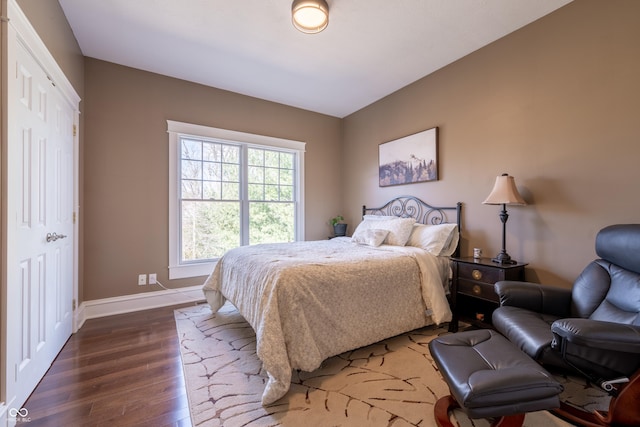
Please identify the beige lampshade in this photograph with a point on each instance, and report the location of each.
(310, 16)
(504, 192)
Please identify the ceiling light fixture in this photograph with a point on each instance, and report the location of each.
(310, 16)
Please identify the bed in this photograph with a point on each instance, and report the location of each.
(311, 300)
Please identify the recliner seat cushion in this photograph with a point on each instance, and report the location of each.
(530, 332)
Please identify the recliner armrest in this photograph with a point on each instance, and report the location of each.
(598, 334)
(535, 297)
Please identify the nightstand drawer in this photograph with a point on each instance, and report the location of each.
(479, 273)
(477, 289)
(473, 297)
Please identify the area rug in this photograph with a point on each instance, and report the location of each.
(390, 383)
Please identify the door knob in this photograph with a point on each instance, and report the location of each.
(52, 237)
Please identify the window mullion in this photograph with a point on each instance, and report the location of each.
(244, 195)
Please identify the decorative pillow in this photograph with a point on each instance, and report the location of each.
(439, 240)
(399, 229)
(370, 237)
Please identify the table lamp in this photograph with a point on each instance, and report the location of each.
(504, 193)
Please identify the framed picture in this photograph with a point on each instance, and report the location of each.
(410, 159)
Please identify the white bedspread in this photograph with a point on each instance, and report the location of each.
(308, 301)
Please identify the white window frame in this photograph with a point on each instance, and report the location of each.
(176, 130)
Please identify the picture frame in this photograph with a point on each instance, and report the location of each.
(409, 160)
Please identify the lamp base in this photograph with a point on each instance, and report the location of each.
(503, 258)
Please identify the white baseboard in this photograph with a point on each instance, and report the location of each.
(136, 302)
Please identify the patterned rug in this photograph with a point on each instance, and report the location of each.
(390, 383)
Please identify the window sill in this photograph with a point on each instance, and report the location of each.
(191, 270)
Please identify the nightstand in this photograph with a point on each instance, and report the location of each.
(473, 298)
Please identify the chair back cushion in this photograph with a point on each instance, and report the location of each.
(590, 289)
(609, 288)
(620, 245)
(622, 302)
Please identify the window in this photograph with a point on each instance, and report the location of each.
(229, 189)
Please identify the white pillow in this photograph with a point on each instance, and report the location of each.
(399, 229)
(439, 240)
(380, 217)
(452, 244)
(370, 237)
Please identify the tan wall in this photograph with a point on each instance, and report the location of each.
(555, 104)
(126, 159)
(49, 21)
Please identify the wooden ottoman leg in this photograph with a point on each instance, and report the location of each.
(447, 403)
(509, 421)
(442, 408)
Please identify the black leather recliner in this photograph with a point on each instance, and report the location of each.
(592, 329)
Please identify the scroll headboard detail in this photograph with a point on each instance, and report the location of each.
(413, 207)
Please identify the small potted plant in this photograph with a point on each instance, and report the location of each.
(339, 228)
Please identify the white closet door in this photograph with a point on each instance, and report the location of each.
(40, 223)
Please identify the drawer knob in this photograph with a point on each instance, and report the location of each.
(476, 274)
(477, 289)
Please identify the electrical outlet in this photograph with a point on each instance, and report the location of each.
(142, 279)
(152, 278)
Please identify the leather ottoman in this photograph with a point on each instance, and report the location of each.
(489, 377)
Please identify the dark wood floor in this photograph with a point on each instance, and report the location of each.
(121, 370)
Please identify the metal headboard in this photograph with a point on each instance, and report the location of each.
(424, 213)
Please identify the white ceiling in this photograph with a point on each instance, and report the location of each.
(370, 49)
